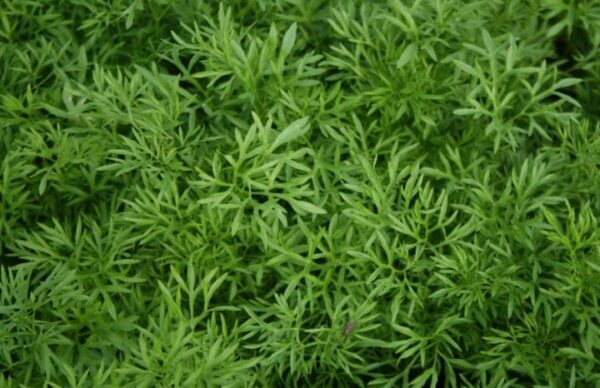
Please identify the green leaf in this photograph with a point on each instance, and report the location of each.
(466, 68)
(567, 82)
(292, 132)
(408, 55)
(287, 44)
(43, 184)
(307, 207)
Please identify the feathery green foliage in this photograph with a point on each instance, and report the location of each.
(299, 193)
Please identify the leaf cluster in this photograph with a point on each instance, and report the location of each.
(299, 193)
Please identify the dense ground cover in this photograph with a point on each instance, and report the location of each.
(299, 193)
